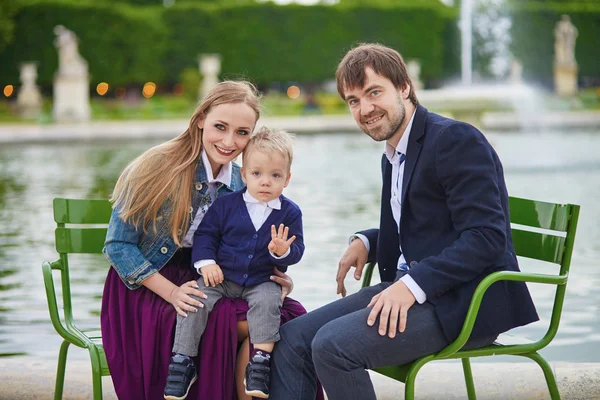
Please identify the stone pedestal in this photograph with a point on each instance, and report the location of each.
(565, 80)
(71, 99)
(210, 68)
(413, 67)
(29, 98)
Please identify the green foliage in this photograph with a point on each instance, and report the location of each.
(263, 42)
(268, 42)
(191, 79)
(121, 44)
(532, 34)
(8, 9)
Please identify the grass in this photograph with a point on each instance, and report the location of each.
(274, 104)
(174, 107)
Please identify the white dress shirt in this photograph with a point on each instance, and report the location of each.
(396, 204)
(224, 177)
(259, 212)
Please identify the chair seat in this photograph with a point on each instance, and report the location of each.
(400, 372)
(508, 339)
(96, 337)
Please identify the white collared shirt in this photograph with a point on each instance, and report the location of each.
(396, 203)
(224, 177)
(259, 212)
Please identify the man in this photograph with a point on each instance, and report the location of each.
(444, 227)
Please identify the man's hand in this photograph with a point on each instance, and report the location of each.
(212, 275)
(355, 256)
(392, 306)
(280, 244)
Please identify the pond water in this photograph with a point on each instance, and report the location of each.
(336, 182)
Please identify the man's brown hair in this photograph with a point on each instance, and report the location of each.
(383, 60)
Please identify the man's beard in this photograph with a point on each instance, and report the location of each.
(394, 124)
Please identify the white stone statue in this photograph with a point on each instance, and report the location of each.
(565, 34)
(71, 81)
(210, 68)
(565, 65)
(70, 62)
(29, 98)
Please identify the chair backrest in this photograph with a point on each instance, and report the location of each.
(544, 231)
(79, 236)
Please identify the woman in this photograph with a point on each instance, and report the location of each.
(159, 200)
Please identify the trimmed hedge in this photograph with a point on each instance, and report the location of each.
(262, 42)
(267, 42)
(532, 34)
(122, 44)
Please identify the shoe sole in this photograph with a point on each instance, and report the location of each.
(186, 393)
(255, 393)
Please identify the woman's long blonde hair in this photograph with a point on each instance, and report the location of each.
(166, 172)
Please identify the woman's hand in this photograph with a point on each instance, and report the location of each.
(183, 301)
(285, 281)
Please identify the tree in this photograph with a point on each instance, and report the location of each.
(8, 9)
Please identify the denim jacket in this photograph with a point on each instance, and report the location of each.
(136, 255)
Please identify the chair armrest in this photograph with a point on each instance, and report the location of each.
(368, 274)
(73, 336)
(478, 296)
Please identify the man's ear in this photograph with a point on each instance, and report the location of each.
(406, 92)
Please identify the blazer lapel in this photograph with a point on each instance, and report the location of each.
(414, 147)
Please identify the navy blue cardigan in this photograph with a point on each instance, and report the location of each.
(227, 235)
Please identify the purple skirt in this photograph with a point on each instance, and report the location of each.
(138, 328)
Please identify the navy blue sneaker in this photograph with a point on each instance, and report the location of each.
(258, 376)
(182, 374)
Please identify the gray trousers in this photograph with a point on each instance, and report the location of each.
(334, 344)
(264, 314)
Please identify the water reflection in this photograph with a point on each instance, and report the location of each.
(336, 181)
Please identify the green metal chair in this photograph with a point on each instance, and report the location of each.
(541, 231)
(83, 238)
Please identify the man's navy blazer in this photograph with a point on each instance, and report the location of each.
(454, 227)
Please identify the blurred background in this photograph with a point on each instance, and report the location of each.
(493, 63)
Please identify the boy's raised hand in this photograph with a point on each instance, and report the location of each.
(280, 244)
(212, 275)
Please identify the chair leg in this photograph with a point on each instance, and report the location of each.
(60, 370)
(469, 378)
(548, 374)
(96, 373)
(409, 384)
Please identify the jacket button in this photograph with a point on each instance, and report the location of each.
(255, 236)
(191, 209)
(198, 186)
(245, 276)
(413, 264)
(250, 256)
(164, 250)
(131, 281)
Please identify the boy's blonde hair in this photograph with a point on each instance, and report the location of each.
(268, 141)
